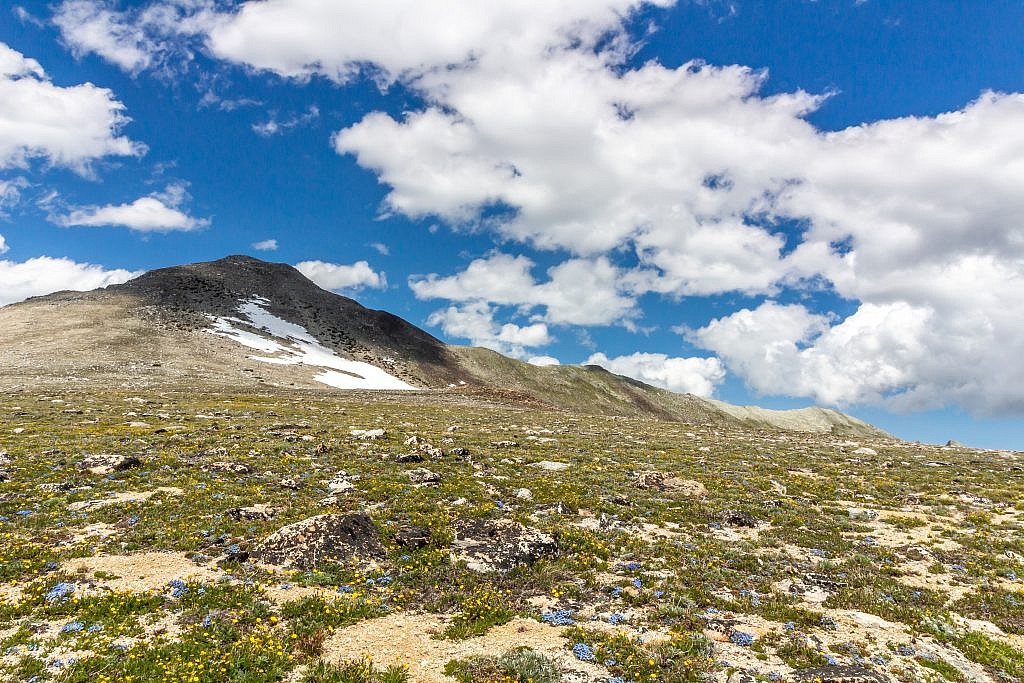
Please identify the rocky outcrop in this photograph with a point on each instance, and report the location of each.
(323, 538)
(499, 545)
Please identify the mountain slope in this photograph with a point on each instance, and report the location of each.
(243, 322)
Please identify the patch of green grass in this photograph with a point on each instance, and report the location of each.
(947, 671)
(479, 611)
(356, 671)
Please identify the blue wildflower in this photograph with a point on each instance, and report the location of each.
(583, 652)
(178, 588)
(562, 617)
(72, 627)
(60, 592)
(616, 619)
(23, 513)
(637, 583)
(906, 650)
(741, 638)
(95, 628)
(831, 661)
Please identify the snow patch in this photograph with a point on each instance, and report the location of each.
(293, 345)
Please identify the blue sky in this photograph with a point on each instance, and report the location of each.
(837, 223)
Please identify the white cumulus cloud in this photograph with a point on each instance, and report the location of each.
(265, 245)
(159, 212)
(335, 276)
(45, 275)
(577, 291)
(64, 126)
(697, 376)
(475, 322)
(3, 245)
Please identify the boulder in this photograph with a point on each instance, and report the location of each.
(259, 511)
(368, 434)
(106, 464)
(662, 482)
(739, 518)
(323, 538)
(550, 466)
(220, 466)
(412, 537)
(423, 476)
(499, 545)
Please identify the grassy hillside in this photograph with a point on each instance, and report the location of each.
(633, 549)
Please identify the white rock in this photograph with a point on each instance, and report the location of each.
(368, 434)
(550, 466)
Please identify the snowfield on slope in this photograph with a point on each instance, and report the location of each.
(293, 345)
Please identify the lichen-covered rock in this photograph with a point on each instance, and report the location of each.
(259, 512)
(412, 537)
(660, 481)
(106, 464)
(221, 466)
(422, 475)
(323, 538)
(739, 518)
(499, 545)
(368, 434)
(823, 581)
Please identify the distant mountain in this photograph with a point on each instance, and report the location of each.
(245, 323)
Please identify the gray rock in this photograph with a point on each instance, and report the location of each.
(319, 539)
(258, 511)
(550, 466)
(739, 518)
(421, 475)
(232, 467)
(823, 581)
(499, 545)
(412, 537)
(368, 434)
(106, 464)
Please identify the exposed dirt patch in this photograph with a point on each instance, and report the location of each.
(407, 639)
(142, 572)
